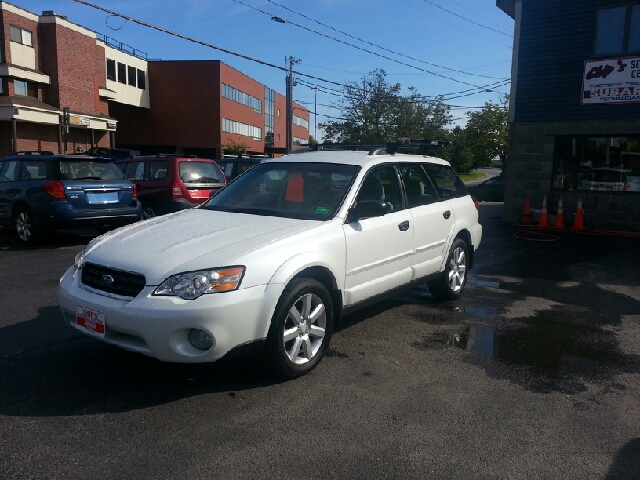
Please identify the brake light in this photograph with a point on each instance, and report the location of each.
(475, 202)
(55, 189)
(177, 191)
(135, 190)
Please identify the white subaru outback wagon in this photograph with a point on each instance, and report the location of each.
(274, 259)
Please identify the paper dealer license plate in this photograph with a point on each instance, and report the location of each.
(91, 320)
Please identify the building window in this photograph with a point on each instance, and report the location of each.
(26, 89)
(269, 103)
(132, 76)
(111, 69)
(606, 164)
(301, 122)
(238, 128)
(141, 79)
(242, 98)
(299, 141)
(618, 30)
(122, 73)
(20, 35)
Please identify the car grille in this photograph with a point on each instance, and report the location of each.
(111, 280)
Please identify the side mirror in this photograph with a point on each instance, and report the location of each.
(367, 209)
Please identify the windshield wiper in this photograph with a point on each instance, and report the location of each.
(87, 178)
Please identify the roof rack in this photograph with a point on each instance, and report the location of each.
(401, 145)
(30, 152)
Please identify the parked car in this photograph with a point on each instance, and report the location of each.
(276, 258)
(112, 153)
(608, 179)
(167, 183)
(233, 167)
(41, 191)
(491, 190)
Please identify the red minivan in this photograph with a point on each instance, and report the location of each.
(168, 183)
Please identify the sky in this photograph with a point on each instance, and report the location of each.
(440, 47)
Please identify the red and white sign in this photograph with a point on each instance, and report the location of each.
(91, 320)
(615, 80)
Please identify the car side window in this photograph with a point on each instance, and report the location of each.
(444, 178)
(418, 187)
(158, 169)
(34, 170)
(9, 171)
(134, 170)
(243, 167)
(381, 183)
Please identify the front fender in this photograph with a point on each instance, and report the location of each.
(288, 270)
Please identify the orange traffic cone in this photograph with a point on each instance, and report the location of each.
(578, 223)
(526, 211)
(560, 215)
(543, 213)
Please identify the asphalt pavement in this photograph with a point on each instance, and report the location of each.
(533, 373)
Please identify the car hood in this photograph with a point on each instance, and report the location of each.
(189, 240)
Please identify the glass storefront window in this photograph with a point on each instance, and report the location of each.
(608, 164)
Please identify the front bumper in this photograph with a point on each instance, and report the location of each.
(159, 326)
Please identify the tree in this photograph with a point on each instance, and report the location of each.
(234, 148)
(373, 111)
(486, 132)
(459, 154)
(312, 140)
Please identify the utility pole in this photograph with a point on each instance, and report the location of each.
(289, 118)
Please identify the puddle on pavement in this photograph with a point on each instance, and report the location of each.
(559, 354)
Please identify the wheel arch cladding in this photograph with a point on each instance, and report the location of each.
(465, 235)
(328, 280)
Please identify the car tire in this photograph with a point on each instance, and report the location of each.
(301, 328)
(147, 212)
(25, 226)
(450, 283)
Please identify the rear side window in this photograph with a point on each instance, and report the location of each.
(9, 171)
(34, 170)
(134, 171)
(447, 183)
(158, 169)
(417, 185)
(88, 170)
(200, 172)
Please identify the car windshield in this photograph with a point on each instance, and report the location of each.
(88, 170)
(308, 191)
(200, 172)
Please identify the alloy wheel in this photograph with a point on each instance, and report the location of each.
(23, 226)
(304, 328)
(457, 269)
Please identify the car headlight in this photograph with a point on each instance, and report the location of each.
(191, 285)
(78, 262)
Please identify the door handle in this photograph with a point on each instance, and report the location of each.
(446, 214)
(404, 226)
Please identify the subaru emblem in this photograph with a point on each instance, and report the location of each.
(107, 279)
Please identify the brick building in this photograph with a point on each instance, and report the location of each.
(199, 106)
(574, 116)
(194, 107)
(49, 63)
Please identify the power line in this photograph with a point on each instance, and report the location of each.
(374, 44)
(281, 20)
(200, 42)
(457, 26)
(465, 18)
(469, 10)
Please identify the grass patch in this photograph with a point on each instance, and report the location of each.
(465, 177)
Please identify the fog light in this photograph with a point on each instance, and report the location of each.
(200, 339)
